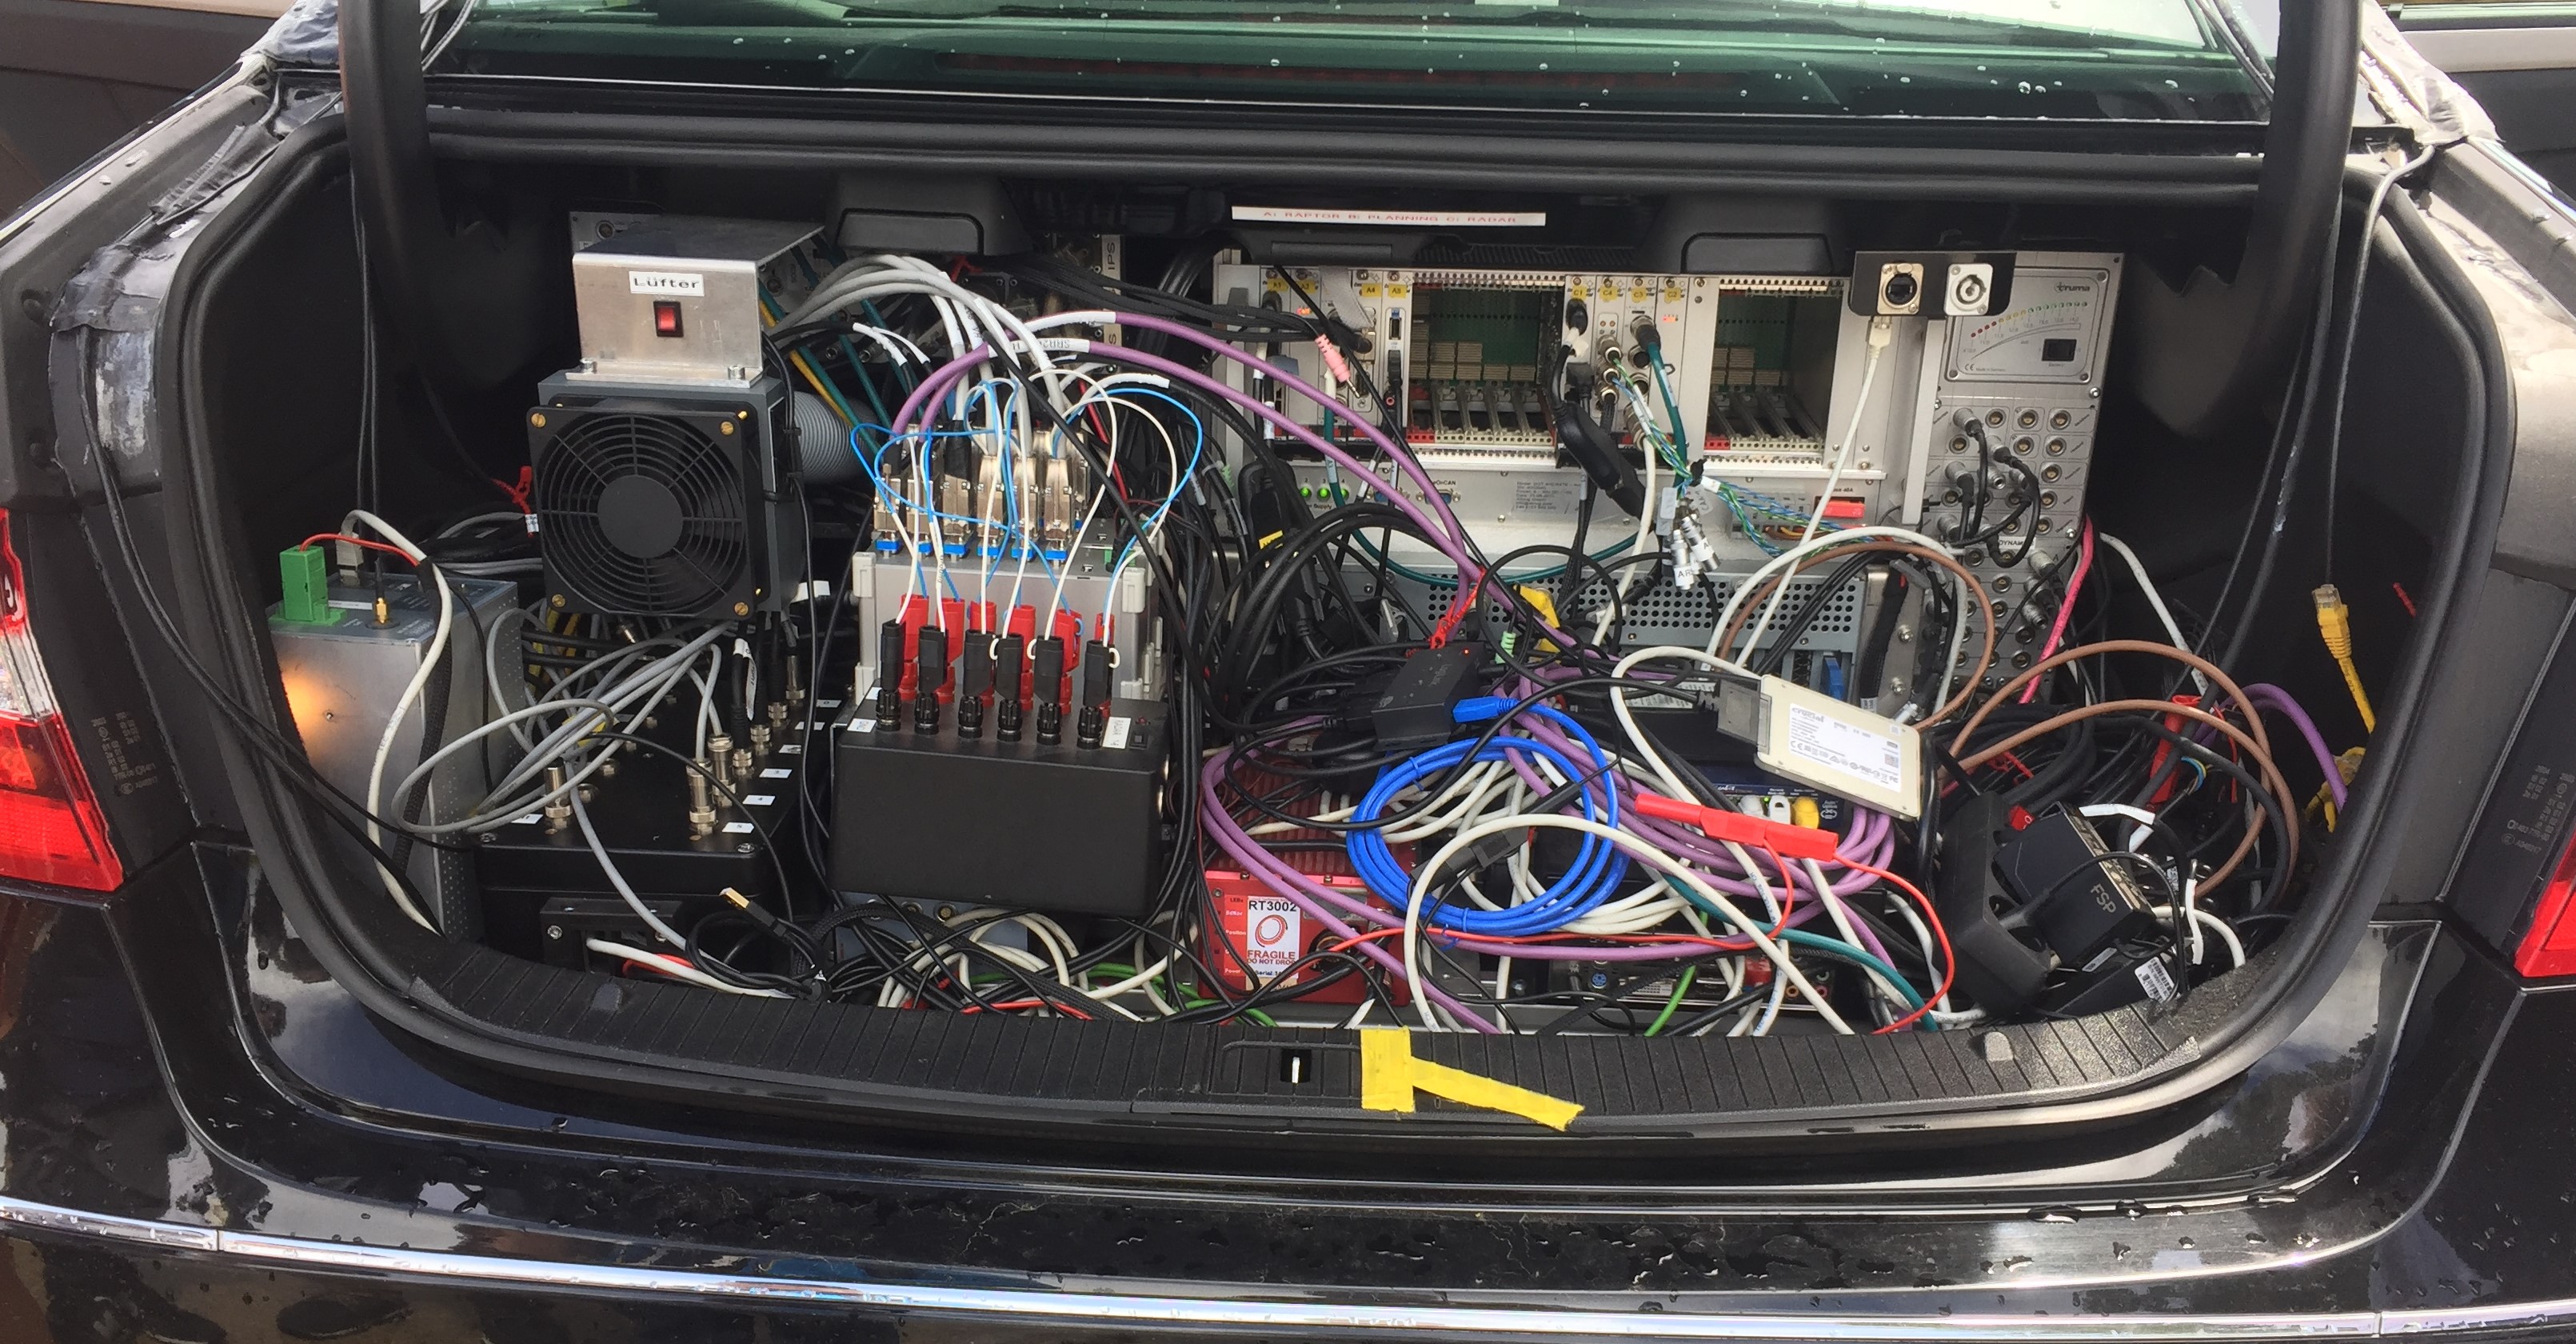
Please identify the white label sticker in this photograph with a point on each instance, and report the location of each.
(1846, 748)
(1273, 929)
(737, 828)
(667, 284)
(2157, 981)
(759, 799)
(798, 749)
(529, 820)
(1114, 736)
(775, 772)
(827, 704)
(1434, 219)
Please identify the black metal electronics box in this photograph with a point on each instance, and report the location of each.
(1067, 828)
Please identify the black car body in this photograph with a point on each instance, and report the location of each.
(213, 1130)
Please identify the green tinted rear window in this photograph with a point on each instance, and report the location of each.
(2066, 59)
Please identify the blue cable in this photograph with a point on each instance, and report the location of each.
(1599, 865)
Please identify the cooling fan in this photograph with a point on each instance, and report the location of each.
(657, 506)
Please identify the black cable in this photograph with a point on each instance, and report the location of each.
(285, 758)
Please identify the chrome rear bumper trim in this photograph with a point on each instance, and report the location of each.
(1150, 1310)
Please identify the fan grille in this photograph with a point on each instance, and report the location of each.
(595, 470)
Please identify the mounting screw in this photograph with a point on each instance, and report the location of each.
(742, 415)
(744, 848)
(556, 601)
(741, 608)
(554, 931)
(537, 418)
(725, 428)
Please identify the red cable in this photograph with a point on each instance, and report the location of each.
(394, 551)
(1016, 1004)
(1949, 959)
(2066, 609)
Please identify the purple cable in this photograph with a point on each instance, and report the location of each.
(1440, 524)
(2271, 697)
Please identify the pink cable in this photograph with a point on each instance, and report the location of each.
(2065, 609)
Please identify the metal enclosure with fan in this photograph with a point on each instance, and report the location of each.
(665, 501)
(666, 481)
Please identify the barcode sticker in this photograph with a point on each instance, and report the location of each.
(1865, 754)
(1114, 736)
(2157, 981)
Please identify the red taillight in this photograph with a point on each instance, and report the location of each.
(2549, 948)
(51, 829)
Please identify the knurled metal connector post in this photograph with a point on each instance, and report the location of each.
(702, 808)
(558, 810)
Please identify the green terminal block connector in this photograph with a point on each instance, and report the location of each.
(306, 577)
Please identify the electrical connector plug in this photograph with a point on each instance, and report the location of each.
(932, 645)
(890, 641)
(2334, 622)
(1481, 857)
(1094, 717)
(306, 576)
(1048, 670)
(1013, 660)
(1782, 838)
(749, 907)
(973, 682)
(1419, 704)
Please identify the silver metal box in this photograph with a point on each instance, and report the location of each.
(342, 679)
(677, 300)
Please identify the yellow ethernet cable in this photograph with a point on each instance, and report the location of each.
(2334, 621)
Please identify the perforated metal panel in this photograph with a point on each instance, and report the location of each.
(1665, 614)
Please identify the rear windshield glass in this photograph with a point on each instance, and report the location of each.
(2065, 59)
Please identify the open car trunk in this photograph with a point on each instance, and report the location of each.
(284, 367)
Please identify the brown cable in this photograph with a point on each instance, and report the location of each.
(2253, 721)
(2279, 787)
